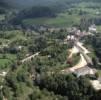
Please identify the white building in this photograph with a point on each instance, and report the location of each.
(92, 28)
(96, 84)
(71, 37)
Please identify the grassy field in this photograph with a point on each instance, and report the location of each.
(65, 19)
(99, 71)
(11, 36)
(61, 20)
(2, 17)
(6, 60)
(8, 56)
(99, 28)
(5, 64)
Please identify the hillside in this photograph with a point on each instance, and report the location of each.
(50, 50)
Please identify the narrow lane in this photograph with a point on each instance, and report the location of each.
(30, 57)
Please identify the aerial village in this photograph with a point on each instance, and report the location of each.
(84, 66)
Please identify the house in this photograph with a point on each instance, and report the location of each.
(96, 84)
(97, 13)
(84, 71)
(70, 37)
(78, 33)
(92, 28)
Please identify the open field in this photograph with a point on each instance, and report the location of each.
(61, 20)
(6, 60)
(2, 17)
(70, 16)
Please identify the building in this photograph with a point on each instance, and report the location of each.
(96, 84)
(84, 71)
(71, 37)
(92, 28)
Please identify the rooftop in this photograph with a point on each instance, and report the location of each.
(84, 71)
(96, 84)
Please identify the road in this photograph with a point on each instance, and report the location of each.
(84, 58)
(84, 52)
(74, 50)
(81, 48)
(80, 64)
(30, 57)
